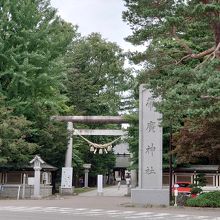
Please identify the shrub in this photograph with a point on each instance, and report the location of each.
(210, 199)
(199, 182)
(181, 199)
(196, 190)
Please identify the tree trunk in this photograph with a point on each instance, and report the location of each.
(217, 32)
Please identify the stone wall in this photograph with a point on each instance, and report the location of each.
(12, 191)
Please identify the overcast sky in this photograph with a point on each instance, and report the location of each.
(103, 16)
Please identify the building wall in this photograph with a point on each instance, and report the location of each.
(11, 182)
(213, 179)
(122, 161)
(121, 148)
(13, 191)
(16, 177)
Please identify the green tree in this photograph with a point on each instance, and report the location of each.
(199, 182)
(181, 57)
(198, 143)
(15, 150)
(96, 84)
(33, 44)
(96, 76)
(133, 141)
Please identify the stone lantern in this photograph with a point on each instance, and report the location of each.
(86, 166)
(37, 161)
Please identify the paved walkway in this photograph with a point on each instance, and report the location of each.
(113, 204)
(108, 191)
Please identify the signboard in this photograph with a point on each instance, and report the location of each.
(176, 192)
(31, 181)
(66, 180)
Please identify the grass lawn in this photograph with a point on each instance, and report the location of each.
(82, 189)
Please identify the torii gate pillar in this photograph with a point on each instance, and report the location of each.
(69, 151)
(67, 171)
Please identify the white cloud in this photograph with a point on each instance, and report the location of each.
(103, 16)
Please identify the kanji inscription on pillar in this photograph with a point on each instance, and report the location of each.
(66, 180)
(150, 149)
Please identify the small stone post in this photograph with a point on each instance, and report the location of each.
(100, 185)
(24, 183)
(37, 168)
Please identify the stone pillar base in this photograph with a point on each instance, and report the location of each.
(150, 196)
(36, 197)
(66, 191)
(100, 193)
(128, 191)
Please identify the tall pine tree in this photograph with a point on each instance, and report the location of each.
(181, 58)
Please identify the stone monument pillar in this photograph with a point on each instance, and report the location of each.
(149, 190)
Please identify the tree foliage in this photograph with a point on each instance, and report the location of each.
(15, 149)
(47, 68)
(198, 142)
(96, 76)
(33, 43)
(132, 139)
(181, 58)
(96, 82)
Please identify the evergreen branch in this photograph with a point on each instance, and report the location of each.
(183, 58)
(207, 58)
(210, 97)
(213, 54)
(203, 53)
(216, 51)
(181, 42)
(210, 52)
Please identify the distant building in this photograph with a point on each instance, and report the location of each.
(122, 161)
(12, 181)
(188, 174)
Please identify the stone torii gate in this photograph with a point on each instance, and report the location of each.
(149, 190)
(66, 181)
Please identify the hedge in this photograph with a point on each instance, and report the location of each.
(210, 199)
